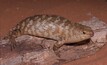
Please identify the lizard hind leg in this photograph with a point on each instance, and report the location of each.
(13, 44)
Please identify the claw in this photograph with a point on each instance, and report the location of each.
(57, 46)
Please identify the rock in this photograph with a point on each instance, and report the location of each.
(34, 51)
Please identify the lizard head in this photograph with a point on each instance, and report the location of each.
(81, 32)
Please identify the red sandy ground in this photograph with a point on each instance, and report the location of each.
(13, 11)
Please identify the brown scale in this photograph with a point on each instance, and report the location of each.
(51, 27)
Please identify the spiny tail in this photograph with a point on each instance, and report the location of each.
(11, 37)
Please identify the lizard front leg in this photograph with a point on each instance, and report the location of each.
(57, 45)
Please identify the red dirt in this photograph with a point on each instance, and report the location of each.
(12, 12)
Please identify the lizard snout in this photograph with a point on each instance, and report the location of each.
(92, 34)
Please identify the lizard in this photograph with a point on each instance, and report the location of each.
(52, 27)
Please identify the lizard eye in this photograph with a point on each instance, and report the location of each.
(84, 32)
